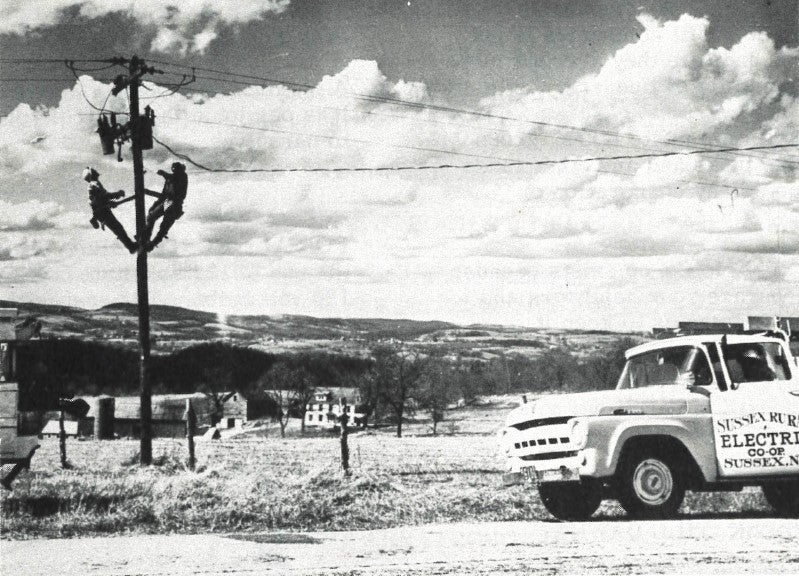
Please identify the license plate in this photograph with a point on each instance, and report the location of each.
(561, 475)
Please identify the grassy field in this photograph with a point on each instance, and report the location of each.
(269, 483)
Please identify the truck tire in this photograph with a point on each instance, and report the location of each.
(783, 497)
(650, 485)
(570, 500)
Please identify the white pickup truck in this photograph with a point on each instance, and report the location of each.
(689, 413)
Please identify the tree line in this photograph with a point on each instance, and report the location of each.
(394, 382)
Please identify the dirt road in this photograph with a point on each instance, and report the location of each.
(697, 546)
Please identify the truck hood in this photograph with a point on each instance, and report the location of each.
(650, 400)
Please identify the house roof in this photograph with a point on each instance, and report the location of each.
(337, 392)
(164, 406)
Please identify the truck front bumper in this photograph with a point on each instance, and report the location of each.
(569, 469)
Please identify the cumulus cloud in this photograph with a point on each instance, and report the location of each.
(668, 84)
(180, 26)
(670, 220)
(32, 215)
(24, 247)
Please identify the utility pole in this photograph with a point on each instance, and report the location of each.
(136, 69)
(139, 132)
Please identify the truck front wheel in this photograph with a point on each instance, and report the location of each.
(649, 486)
(570, 500)
(783, 497)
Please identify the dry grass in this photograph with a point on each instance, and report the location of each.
(292, 484)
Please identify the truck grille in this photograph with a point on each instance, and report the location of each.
(541, 442)
(543, 439)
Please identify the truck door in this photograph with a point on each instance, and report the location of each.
(756, 420)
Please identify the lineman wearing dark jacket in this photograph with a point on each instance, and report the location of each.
(102, 202)
(169, 205)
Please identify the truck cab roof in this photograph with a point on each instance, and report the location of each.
(698, 340)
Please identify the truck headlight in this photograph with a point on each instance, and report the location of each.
(578, 433)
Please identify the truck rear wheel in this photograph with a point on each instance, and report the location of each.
(570, 500)
(650, 486)
(783, 497)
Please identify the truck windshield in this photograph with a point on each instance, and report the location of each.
(678, 365)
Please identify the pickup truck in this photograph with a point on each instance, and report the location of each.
(701, 413)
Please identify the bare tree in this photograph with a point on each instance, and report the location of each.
(291, 388)
(398, 374)
(439, 386)
(369, 390)
(216, 385)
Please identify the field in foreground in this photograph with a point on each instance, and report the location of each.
(273, 484)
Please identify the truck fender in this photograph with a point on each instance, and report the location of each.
(695, 435)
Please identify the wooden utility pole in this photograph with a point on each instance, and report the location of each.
(136, 69)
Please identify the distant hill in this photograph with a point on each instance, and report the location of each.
(174, 328)
(96, 351)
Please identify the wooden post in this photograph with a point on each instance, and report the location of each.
(345, 449)
(62, 438)
(191, 426)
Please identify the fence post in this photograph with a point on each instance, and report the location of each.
(191, 426)
(62, 436)
(345, 449)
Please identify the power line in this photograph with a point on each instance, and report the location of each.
(5, 79)
(71, 67)
(177, 86)
(525, 134)
(326, 137)
(440, 108)
(52, 60)
(343, 139)
(469, 166)
(400, 102)
(506, 161)
(242, 126)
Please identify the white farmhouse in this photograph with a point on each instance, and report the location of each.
(327, 406)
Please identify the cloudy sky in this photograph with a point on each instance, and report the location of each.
(628, 243)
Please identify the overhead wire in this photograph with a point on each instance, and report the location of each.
(101, 109)
(401, 102)
(509, 164)
(51, 60)
(727, 186)
(441, 108)
(602, 143)
(179, 85)
(344, 139)
(504, 161)
(185, 81)
(501, 130)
